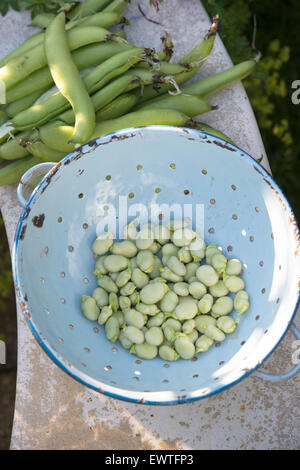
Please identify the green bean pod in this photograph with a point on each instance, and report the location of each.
(93, 81)
(23, 103)
(58, 137)
(13, 172)
(86, 56)
(16, 147)
(34, 59)
(142, 118)
(30, 43)
(104, 20)
(118, 6)
(200, 52)
(88, 7)
(67, 78)
(44, 153)
(102, 97)
(201, 126)
(42, 20)
(188, 104)
(210, 85)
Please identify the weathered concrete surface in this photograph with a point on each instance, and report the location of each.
(53, 411)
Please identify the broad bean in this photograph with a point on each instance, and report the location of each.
(154, 336)
(233, 283)
(184, 255)
(169, 250)
(106, 312)
(161, 234)
(219, 262)
(156, 320)
(90, 308)
(222, 306)
(101, 297)
(186, 310)
(112, 329)
(147, 309)
(191, 270)
(125, 303)
(154, 248)
(126, 248)
(203, 343)
(125, 342)
(214, 333)
(219, 289)
(169, 275)
(171, 322)
(134, 298)
(107, 284)
(234, 267)
(102, 244)
(184, 347)
(144, 351)
(197, 249)
(181, 289)
(241, 302)
(188, 326)
(123, 277)
(193, 336)
(100, 270)
(144, 238)
(128, 289)
(145, 261)
(134, 318)
(207, 275)
(169, 302)
(176, 266)
(115, 263)
(197, 289)
(167, 353)
(202, 322)
(114, 302)
(140, 278)
(120, 317)
(153, 293)
(205, 303)
(183, 237)
(156, 269)
(211, 250)
(134, 334)
(226, 324)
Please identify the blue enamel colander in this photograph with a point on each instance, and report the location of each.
(244, 211)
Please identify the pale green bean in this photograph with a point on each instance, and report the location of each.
(106, 312)
(226, 324)
(233, 283)
(90, 308)
(154, 336)
(101, 297)
(144, 351)
(207, 275)
(112, 329)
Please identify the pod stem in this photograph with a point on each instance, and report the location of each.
(214, 27)
(168, 46)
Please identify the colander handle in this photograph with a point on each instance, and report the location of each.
(287, 375)
(29, 177)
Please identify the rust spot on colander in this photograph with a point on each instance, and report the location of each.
(22, 234)
(224, 146)
(52, 172)
(38, 220)
(27, 212)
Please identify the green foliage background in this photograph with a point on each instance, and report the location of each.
(269, 88)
